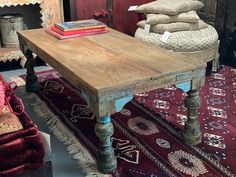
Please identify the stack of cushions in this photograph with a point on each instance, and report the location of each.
(188, 32)
(21, 146)
(172, 15)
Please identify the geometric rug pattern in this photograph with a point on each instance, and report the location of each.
(146, 135)
(216, 116)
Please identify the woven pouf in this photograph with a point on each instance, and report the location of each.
(201, 44)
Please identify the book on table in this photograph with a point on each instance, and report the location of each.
(75, 29)
(79, 25)
(81, 31)
(61, 37)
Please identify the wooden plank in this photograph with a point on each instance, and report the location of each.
(111, 69)
(153, 57)
(108, 62)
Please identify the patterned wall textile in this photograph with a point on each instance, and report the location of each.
(147, 144)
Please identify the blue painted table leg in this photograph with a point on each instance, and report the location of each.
(106, 160)
(32, 84)
(192, 133)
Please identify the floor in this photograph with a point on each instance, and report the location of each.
(60, 163)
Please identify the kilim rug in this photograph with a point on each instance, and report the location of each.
(147, 131)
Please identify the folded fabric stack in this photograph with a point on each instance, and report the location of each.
(188, 31)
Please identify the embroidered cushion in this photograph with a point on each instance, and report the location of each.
(170, 7)
(175, 26)
(9, 122)
(190, 17)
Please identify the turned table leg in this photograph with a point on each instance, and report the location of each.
(104, 106)
(32, 84)
(106, 160)
(192, 133)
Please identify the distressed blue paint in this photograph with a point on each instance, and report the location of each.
(119, 104)
(185, 86)
(108, 142)
(104, 120)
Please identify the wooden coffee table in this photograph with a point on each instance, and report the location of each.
(109, 69)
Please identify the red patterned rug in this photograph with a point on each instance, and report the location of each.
(147, 131)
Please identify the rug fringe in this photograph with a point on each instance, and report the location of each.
(84, 160)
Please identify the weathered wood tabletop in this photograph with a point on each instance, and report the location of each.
(108, 61)
(109, 69)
